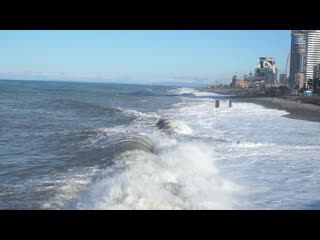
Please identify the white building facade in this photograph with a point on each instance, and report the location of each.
(266, 70)
(312, 53)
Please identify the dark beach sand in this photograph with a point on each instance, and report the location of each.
(297, 110)
(294, 105)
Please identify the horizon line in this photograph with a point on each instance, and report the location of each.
(108, 82)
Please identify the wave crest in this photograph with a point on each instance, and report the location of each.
(179, 176)
(173, 126)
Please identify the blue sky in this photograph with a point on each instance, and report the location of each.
(138, 56)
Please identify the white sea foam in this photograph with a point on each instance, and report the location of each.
(191, 91)
(181, 127)
(273, 156)
(139, 114)
(68, 186)
(179, 176)
(272, 159)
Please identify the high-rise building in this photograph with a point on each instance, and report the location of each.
(297, 55)
(316, 72)
(312, 58)
(316, 75)
(288, 66)
(300, 80)
(282, 78)
(266, 70)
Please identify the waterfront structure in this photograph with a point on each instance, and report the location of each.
(316, 79)
(242, 84)
(316, 72)
(250, 75)
(288, 65)
(297, 55)
(288, 68)
(248, 81)
(237, 83)
(266, 70)
(312, 52)
(234, 81)
(300, 80)
(283, 78)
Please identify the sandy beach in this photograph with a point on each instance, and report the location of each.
(297, 110)
(295, 105)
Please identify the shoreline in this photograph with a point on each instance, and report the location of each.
(292, 104)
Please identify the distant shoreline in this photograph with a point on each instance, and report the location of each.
(295, 105)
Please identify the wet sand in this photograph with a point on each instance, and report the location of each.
(296, 106)
(297, 110)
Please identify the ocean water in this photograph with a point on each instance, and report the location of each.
(108, 146)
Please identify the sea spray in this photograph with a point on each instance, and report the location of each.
(178, 176)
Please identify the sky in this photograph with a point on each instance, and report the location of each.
(143, 57)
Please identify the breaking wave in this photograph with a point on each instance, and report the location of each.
(172, 176)
(172, 126)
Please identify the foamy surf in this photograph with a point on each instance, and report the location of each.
(176, 176)
(107, 149)
(169, 159)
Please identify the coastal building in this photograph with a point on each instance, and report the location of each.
(312, 52)
(288, 66)
(248, 81)
(234, 81)
(297, 55)
(300, 80)
(250, 75)
(266, 70)
(242, 84)
(316, 72)
(283, 78)
(238, 83)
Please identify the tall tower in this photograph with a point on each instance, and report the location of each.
(288, 66)
(297, 54)
(287, 69)
(312, 40)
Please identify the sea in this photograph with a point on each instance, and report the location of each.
(68, 145)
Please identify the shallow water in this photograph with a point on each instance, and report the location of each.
(107, 146)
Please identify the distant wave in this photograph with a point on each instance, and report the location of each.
(79, 104)
(191, 92)
(188, 95)
(143, 92)
(89, 109)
